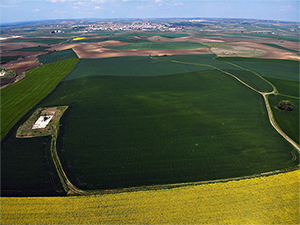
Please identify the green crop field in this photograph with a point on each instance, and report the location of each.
(245, 59)
(57, 56)
(281, 37)
(253, 80)
(130, 39)
(5, 59)
(48, 41)
(287, 120)
(18, 98)
(274, 68)
(33, 49)
(145, 66)
(160, 45)
(286, 87)
(284, 75)
(151, 120)
(156, 33)
(132, 131)
(130, 108)
(27, 168)
(280, 47)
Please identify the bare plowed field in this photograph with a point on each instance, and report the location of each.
(272, 53)
(9, 46)
(95, 50)
(21, 53)
(187, 39)
(21, 65)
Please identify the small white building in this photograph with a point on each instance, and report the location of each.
(42, 122)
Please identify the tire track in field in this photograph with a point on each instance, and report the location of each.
(69, 188)
(264, 94)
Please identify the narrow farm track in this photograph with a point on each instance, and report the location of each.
(264, 94)
(275, 125)
(67, 185)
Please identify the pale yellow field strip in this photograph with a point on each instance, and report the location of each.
(265, 200)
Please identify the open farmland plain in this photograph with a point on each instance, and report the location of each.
(152, 112)
(156, 129)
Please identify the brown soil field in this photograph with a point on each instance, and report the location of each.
(287, 44)
(22, 64)
(280, 55)
(21, 53)
(254, 43)
(9, 46)
(95, 50)
(7, 80)
(187, 39)
(14, 80)
(113, 43)
(272, 53)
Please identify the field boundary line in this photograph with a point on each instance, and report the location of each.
(67, 185)
(275, 125)
(289, 96)
(273, 86)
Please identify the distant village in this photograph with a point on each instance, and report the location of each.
(143, 26)
(202, 25)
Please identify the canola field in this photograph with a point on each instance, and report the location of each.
(263, 200)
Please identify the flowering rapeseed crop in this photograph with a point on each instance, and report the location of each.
(265, 200)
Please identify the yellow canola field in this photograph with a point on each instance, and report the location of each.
(79, 38)
(265, 200)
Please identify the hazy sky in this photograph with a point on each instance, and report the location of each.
(30, 10)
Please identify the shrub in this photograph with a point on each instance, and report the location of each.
(285, 105)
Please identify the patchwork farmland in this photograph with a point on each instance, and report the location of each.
(148, 112)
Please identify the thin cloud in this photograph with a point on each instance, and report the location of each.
(54, 1)
(36, 10)
(97, 7)
(100, 1)
(178, 3)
